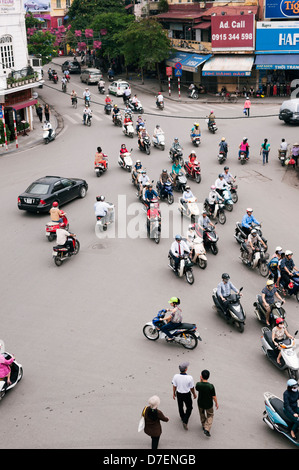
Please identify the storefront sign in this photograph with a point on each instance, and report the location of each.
(7, 6)
(278, 36)
(37, 6)
(234, 33)
(281, 9)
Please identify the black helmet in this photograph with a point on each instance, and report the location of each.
(100, 198)
(225, 276)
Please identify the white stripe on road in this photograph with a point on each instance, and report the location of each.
(69, 118)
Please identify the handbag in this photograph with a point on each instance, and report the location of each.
(141, 423)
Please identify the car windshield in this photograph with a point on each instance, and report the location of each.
(38, 188)
(94, 73)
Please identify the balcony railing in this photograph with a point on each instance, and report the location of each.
(21, 77)
(190, 46)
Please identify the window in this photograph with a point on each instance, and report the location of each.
(6, 51)
(68, 3)
(59, 22)
(58, 3)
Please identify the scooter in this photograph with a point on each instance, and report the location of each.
(234, 313)
(136, 109)
(103, 221)
(199, 253)
(185, 267)
(185, 334)
(108, 108)
(125, 161)
(51, 227)
(146, 147)
(128, 130)
(210, 238)
(292, 288)
(227, 199)
(241, 236)
(15, 376)
(54, 77)
(282, 156)
(117, 119)
(101, 89)
(218, 213)
(87, 121)
(193, 170)
(61, 253)
(154, 229)
(160, 104)
(275, 417)
(195, 140)
(211, 126)
(242, 158)
(180, 182)
(289, 360)
(176, 154)
(189, 208)
(259, 259)
(233, 190)
(277, 311)
(87, 100)
(100, 168)
(46, 135)
(193, 93)
(165, 191)
(159, 141)
(222, 156)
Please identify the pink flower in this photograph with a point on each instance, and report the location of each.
(81, 46)
(88, 33)
(69, 27)
(103, 32)
(97, 44)
(78, 33)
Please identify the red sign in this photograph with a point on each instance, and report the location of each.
(168, 71)
(234, 33)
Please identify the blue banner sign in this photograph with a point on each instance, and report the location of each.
(281, 9)
(279, 36)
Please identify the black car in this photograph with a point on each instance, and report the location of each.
(72, 66)
(41, 194)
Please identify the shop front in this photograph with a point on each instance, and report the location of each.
(191, 65)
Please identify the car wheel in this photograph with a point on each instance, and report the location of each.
(83, 192)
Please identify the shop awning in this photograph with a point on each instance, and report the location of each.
(190, 62)
(277, 61)
(23, 104)
(228, 66)
(203, 25)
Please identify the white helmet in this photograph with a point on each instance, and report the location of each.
(278, 248)
(288, 252)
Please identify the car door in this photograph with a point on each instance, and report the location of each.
(70, 188)
(59, 192)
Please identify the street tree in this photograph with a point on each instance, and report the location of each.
(42, 42)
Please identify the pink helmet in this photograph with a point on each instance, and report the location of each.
(213, 187)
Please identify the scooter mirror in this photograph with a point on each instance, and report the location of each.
(296, 333)
(241, 288)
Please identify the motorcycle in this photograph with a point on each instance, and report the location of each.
(195, 140)
(227, 199)
(176, 154)
(154, 229)
(87, 100)
(193, 170)
(159, 142)
(87, 121)
(54, 77)
(199, 252)
(101, 89)
(222, 156)
(64, 87)
(146, 147)
(128, 130)
(136, 109)
(259, 259)
(277, 311)
(74, 102)
(51, 227)
(193, 92)
(233, 190)
(234, 313)
(292, 288)
(117, 119)
(289, 360)
(189, 208)
(125, 161)
(15, 376)
(282, 156)
(61, 253)
(242, 158)
(180, 182)
(185, 334)
(241, 236)
(218, 213)
(275, 417)
(108, 108)
(160, 104)
(68, 77)
(210, 238)
(211, 126)
(103, 221)
(100, 168)
(185, 267)
(165, 191)
(46, 135)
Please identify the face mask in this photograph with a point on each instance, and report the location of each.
(280, 325)
(294, 389)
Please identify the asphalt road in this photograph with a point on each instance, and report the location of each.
(77, 329)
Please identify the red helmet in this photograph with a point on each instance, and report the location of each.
(279, 320)
(55, 204)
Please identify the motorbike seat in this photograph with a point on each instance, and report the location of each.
(278, 407)
(259, 298)
(60, 248)
(187, 326)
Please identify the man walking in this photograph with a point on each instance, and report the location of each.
(206, 397)
(183, 386)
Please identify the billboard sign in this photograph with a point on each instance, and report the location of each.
(37, 5)
(287, 9)
(233, 33)
(279, 37)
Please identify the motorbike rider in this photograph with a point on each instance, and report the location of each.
(152, 214)
(64, 240)
(211, 118)
(174, 319)
(191, 235)
(283, 147)
(73, 96)
(192, 158)
(135, 102)
(67, 74)
(100, 158)
(86, 95)
(87, 112)
(123, 150)
(50, 73)
(227, 175)
(213, 198)
(175, 148)
(187, 195)
(139, 122)
(204, 222)
(244, 147)
(221, 184)
(176, 169)
(287, 268)
(127, 119)
(143, 180)
(224, 289)
(108, 101)
(127, 95)
(268, 298)
(55, 213)
(279, 333)
(101, 84)
(150, 195)
(160, 99)
(115, 112)
(64, 82)
(195, 131)
(252, 243)
(247, 221)
(142, 134)
(110, 73)
(177, 250)
(157, 132)
(274, 265)
(223, 147)
(290, 405)
(136, 170)
(101, 208)
(164, 178)
(48, 126)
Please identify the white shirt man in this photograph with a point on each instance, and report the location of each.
(160, 98)
(178, 248)
(183, 386)
(284, 145)
(101, 208)
(86, 93)
(220, 183)
(143, 180)
(62, 236)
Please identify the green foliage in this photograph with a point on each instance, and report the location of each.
(163, 6)
(30, 21)
(8, 133)
(42, 42)
(82, 12)
(113, 23)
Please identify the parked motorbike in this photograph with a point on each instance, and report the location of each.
(292, 288)
(125, 161)
(103, 221)
(61, 253)
(222, 156)
(146, 147)
(282, 155)
(176, 154)
(218, 213)
(193, 92)
(180, 182)
(277, 311)
(210, 238)
(259, 259)
(186, 334)
(159, 142)
(128, 130)
(234, 313)
(136, 109)
(198, 252)
(108, 108)
(165, 192)
(289, 360)
(15, 375)
(275, 417)
(227, 199)
(193, 170)
(46, 135)
(189, 209)
(211, 126)
(117, 119)
(185, 267)
(51, 227)
(195, 140)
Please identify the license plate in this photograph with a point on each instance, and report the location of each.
(47, 234)
(28, 200)
(54, 253)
